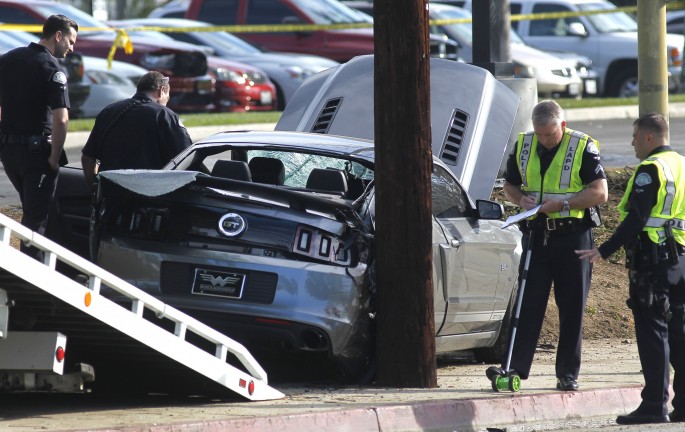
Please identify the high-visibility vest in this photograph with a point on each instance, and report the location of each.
(562, 179)
(670, 203)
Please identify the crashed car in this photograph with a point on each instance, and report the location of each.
(269, 238)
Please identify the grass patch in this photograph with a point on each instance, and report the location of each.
(200, 119)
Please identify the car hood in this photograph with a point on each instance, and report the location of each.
(220, 62)
(472, 114)
(290, 59)
(528, 55)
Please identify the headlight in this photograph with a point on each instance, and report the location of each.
(228, 75)
(524, 71)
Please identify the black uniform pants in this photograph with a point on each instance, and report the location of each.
(35, 182)
(661, 341)
(553, 260)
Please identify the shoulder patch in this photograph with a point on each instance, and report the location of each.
(592, 148)
(643, 179)
(59, 77)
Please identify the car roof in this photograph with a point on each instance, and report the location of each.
(170, 22)
(356, 148)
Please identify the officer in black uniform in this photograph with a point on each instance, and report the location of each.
(135, 133)
(34, 116)
(559, 169)
(652, 230)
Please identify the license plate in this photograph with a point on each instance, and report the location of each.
(265, 98)
(204, 86)
(218, 284)
(573, 89)
(591, 87)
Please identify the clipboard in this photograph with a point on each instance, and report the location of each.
(521, 216)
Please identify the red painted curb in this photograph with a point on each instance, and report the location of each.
(455, 414)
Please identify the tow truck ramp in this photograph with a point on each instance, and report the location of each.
(87, 298)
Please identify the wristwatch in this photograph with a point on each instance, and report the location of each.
(566, 207)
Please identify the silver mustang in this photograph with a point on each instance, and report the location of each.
(269, 238)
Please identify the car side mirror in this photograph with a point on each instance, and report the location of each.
(577, 29)
(489, 209)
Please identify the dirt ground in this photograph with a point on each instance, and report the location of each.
(606, 314)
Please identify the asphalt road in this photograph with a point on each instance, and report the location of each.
(615, 136)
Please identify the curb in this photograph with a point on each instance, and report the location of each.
(675, 110)
(453, 415)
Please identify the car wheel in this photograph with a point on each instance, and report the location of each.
(626, 84)
(495, 353)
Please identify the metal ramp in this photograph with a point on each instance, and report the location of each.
(89, 300)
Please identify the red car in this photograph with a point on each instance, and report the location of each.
(238, 87)
(196, 85)
(339, 45)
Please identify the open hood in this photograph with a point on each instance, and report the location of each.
(472, 114)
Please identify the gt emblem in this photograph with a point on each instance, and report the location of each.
(232, 224)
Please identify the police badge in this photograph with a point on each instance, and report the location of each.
(59, 77)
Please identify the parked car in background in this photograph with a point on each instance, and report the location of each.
(608, 39)
(555, 76)
(339, 45)
(286, 70)
(238, 87)
(171, 9)
(269, 236)
(675, 21)
(108, 84)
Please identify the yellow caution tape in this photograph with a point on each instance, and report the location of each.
(122, 40)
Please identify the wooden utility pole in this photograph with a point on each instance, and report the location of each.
(652, 70)
(405, 319)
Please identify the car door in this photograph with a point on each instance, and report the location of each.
(553, 34)
(69, 217)
(469, 260)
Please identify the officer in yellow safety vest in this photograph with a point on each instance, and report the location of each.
(558, 169)
(652, 230)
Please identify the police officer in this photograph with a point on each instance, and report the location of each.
(35, 113)
(135, 133)
(558, 169)
(652, 230)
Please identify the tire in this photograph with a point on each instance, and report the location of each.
(625, 83)
(495, 353)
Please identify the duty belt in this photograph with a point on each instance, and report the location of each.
(556, 226)
(16, 139)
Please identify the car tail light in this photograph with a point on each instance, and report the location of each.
(675, 58)
(147, 221)
(59, 354)
(320, 245)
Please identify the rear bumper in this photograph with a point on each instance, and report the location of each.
(311, 307)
